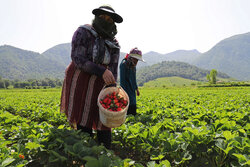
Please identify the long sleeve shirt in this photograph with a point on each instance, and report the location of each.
(128, 80)
(83, 47)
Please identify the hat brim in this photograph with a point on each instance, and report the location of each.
(136, 57)
(117, 18)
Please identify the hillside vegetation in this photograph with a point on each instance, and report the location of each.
(21, 64)
(59, 53)
(170, 69)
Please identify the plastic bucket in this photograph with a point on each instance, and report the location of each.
(109, 118)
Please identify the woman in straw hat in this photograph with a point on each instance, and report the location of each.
(95, 54)
(128, 77)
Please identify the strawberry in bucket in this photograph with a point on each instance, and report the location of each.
(113, 102)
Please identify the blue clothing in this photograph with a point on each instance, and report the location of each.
(128, 80)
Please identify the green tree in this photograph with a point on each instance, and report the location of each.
(24, 84)
(208, 78)
(45, 83)
(7, 83)
(2, 85)
(213, 74)
(16, 85)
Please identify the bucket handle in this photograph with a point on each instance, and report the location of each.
(110, 85)
(113, 85)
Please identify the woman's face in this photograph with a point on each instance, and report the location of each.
(134, 61)
(107, 18)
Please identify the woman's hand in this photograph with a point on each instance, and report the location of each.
(108, 77)
(137, 92)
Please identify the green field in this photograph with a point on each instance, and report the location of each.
(179, 127)
(166, 82)
(171, 82)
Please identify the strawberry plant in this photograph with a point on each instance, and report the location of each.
(174, 127)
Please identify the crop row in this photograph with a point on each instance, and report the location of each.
(174, 127)
(190, 127)
(35, 105)
(31, 134)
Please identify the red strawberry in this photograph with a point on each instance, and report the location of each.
(114, 102)
(21, 156)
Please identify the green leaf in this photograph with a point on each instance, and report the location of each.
(151, 164)
(167, 146)
(59, 140)
(242, 131)
(200, 162)
(89, 158)
(228, 135)
(134, 129)
(222, 144)
(128, 162)
(165, 163)
(51, 160)
(91, 162)
(7, 161)
(159, 157)
(138, 165)
(70, 140)
(184, 146)
(188, 136)
(239, 140)
(78, 147)
(247, 163)
(192, 130)
(186, 156)
(247, 127)
(61, 127)
(154, 129)
(34, 131)
(32, 145)
(62, 158)
(105, 161)
(242, 159)
(69, 149)
(144, 134)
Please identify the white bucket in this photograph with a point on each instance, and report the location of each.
(109, 118)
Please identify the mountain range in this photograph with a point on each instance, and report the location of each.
(187, 56)
(21, 64)
(230, 56)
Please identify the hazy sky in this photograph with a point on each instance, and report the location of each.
(151, 25)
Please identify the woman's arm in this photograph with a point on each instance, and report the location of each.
(80, 43)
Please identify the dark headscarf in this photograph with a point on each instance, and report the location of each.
(104, 28)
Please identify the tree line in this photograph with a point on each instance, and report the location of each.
(30, 83)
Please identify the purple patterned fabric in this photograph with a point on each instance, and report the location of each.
(135, 51)
(83, 48)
